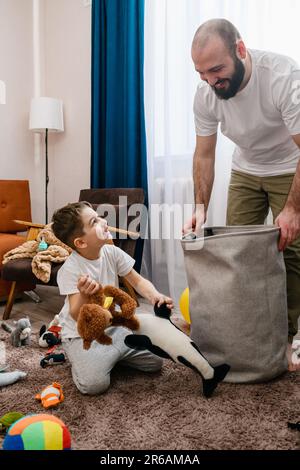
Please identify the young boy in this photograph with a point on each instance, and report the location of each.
(91, 263)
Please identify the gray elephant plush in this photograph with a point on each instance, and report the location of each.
(20, 335)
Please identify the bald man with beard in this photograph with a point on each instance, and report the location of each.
(254, 95)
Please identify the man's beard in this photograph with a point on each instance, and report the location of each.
(234, 82)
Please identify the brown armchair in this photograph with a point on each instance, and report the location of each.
(17, 270)
(14, 204)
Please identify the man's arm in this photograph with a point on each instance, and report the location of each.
(204, 169)
(203, 174)
(293, 199)
(289, 218)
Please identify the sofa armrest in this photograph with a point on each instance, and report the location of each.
(29, 224)
(33, 229)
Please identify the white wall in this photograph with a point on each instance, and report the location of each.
(16, 70)
(68, 73)
(56, 63)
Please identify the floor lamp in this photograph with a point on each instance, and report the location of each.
(46, 115)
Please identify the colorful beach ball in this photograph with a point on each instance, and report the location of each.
(38, 432)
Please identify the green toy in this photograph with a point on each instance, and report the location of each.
(42, 245)
(8, 419)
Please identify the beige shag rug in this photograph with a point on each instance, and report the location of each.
(161, 411)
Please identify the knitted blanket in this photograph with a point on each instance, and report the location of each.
(57, 252)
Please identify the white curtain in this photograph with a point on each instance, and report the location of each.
(170, 85)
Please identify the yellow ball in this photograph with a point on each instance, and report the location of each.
(184, 305)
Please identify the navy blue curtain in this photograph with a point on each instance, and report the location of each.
(118, 138)
(118, 124)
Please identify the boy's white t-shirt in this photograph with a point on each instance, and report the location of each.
(260, 119)
(112, 262)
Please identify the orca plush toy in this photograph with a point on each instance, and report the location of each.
(159, 335)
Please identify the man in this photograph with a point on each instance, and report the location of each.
(253, 94)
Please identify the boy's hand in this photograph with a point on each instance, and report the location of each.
(162, 299)
(87, 286)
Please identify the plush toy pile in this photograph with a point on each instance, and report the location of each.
(110, 306)
(51, 338)
(56, 252)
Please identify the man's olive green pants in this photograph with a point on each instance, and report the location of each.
(249, 200)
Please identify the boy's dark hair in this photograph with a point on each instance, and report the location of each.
(67, 223)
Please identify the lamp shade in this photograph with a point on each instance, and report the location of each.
(46, 113)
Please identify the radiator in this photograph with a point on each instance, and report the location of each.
(176, 190)
(171, 206)
(176, 194)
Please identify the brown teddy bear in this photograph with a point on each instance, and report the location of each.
(100, 313)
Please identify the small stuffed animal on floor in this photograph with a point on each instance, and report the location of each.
(160, 336)
(8, 378)
(53, 359)
(50, 336)
(20, 335)
(51, 395)
(100, 313)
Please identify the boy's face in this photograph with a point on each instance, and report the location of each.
(95, 230)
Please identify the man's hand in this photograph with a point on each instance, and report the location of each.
(87, 286)
(289, 223)
(196, 222)
(162, 299)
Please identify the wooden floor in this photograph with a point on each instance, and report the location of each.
(39, 313)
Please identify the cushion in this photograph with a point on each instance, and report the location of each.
(14, 204)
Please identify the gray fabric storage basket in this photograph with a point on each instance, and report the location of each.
(237, 300)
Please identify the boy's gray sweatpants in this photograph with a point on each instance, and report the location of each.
(91, 368)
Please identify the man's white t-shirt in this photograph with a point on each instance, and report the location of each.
(260, 119)
(112, 262)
